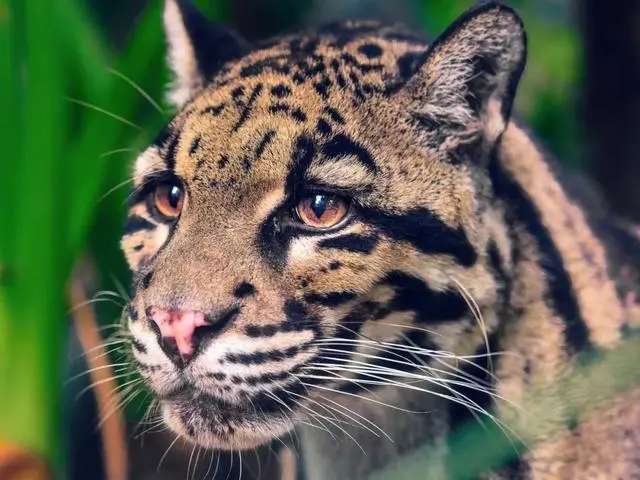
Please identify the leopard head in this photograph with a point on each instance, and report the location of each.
(314, 200)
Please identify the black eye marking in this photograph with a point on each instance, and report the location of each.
(370, 50)
(351, 243)
(244, 289)
(342, 146)
(223, 161)
(146, 280)
(195, 145)
(136, 223)
(280, 91)
(215, 110)
(335, 265)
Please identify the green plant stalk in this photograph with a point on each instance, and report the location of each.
(32, 300)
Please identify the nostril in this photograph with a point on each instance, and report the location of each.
(182, 333)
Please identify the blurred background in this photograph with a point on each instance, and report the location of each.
(81, 92)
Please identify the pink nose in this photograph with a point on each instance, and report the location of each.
(179, 326)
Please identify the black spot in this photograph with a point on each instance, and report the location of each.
(298, 115)
(244, 289)
(426, 232)
(136, 223)
(247, 109)
(409, 63)
(217, 375)
(281, 91)
(298, 78)
(214, 110)
(223, 161)
(341, 81)
(351, 243)
(139, 346)
(271, 63)
(413, 294)
(246, 164)
(146, 280)
(323, 127)
(341, 146)
(370, 50)
(261, 331)
(560, 287)
(279, 107)
(237, 92)
(304, 283)
(334, 115)
(138, 247)
(195, 145)
(330, 299)
(335, 265)
(323, 86)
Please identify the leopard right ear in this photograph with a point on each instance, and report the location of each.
(197, 49)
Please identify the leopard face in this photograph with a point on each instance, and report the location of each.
(313, 200)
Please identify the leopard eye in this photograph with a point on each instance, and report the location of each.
(168, 198)
(321, 210)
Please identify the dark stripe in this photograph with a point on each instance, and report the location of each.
(499, 273)
(351, 243)
(214, 110)
(266, 138)
(330, 299)
(247, 109)
(135, 223)
(255, 331)
(342, 146)
(195, 145)
(273, 239)
(413, 294)
(280, 91)
(425, 231)
(170, 156)
(521, 209)
(258, 358)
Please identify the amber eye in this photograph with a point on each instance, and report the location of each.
(321, 211)
(168, 198)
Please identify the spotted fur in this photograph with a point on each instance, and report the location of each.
(456, 216)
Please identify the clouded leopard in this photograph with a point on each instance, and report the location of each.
(344, 233)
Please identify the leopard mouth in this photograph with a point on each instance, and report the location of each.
(213, 422)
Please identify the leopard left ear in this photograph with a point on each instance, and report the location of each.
(197, 48)
(468, 77)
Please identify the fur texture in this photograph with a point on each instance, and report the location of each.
(461, 241)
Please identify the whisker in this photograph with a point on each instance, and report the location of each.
(139, 89)
(105, 112)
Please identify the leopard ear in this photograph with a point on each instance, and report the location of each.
(468, 77)
(197, 48)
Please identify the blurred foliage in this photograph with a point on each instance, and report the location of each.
(79, 86)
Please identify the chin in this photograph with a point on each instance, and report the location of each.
(210, 422)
